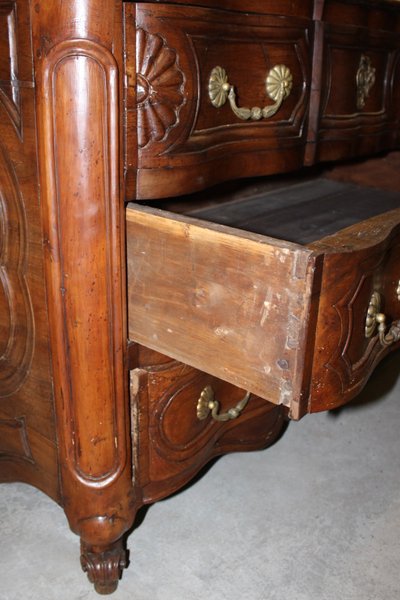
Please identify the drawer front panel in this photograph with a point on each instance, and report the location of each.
(364, 260)
(174, 443)
(343, 97)
(233, 304)
(357, 110)
(184, 142)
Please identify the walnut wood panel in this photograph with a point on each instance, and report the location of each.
(9, 88)
(233, 304)
(15, 57)
(173, 443)
(27, 429)
(16, 312)
(184, 143)
(372, 14)
(358, 261)
(14, 440)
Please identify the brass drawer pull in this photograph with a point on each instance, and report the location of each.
(278, 85)
(207, 403)
(365, 79)
(392, 336)
(376, 318)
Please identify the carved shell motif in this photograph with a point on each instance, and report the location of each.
(160, 88)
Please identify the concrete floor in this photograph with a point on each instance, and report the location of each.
(315, 517)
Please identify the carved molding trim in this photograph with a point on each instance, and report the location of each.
(81, 136)
(17, 329)
(14, 443)
(160, 85)
(9, 84)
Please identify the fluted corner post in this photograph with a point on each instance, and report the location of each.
(78, 64)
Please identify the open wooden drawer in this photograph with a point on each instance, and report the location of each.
(283, 319)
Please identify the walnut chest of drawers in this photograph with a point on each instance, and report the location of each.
(159, 305)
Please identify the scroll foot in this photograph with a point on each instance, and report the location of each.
(104, 566)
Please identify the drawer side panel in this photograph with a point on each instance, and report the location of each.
(232, 304)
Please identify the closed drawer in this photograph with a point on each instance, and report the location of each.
(175, 438)
(271, 316)
(180, 137)
(359, 45)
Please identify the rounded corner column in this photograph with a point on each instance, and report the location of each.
(78, 64)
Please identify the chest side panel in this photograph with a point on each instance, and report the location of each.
(27, 438)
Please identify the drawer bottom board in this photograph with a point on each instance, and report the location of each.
(303, 212)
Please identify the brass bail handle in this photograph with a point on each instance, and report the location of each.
(376, 319)
(278, 86)
(207, 403)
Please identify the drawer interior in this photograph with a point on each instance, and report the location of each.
(302, 210)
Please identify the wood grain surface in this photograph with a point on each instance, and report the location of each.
(184, 142)
(228, 302)
(28, 450)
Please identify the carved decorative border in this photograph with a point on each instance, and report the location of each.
(91, 376)
(347, 370)
(18, 350)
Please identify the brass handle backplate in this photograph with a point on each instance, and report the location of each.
(207, 403)
(278, 86)
(365, 79)
(376, 319)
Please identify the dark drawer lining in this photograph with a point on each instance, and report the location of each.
(304, 212)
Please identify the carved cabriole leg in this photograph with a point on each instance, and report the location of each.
(78, 54)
